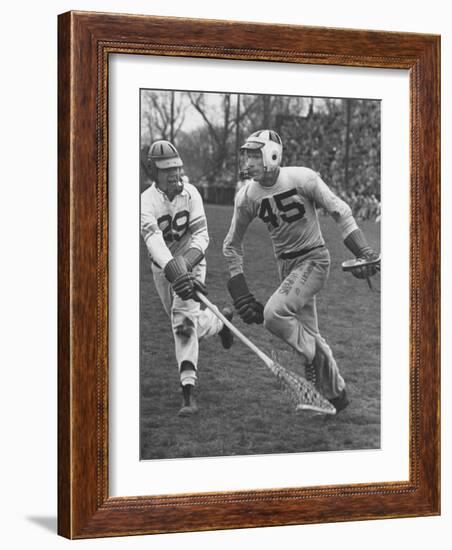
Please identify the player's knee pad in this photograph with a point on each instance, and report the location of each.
(182, 325)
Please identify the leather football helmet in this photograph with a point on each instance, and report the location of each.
(270, 144)
(162, 154)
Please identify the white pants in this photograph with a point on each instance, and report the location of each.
(291, 314)
(188, 321)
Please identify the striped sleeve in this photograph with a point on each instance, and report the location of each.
(198, 223)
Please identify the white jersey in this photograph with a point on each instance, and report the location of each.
(289, 209)
(169, 228)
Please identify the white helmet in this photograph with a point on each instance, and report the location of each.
(269, 142)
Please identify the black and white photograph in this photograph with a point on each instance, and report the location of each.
(183, 367)
(259, 274)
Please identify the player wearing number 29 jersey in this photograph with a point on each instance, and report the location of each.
(174, 229)
(170, 228)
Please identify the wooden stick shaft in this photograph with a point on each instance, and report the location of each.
(234, 329)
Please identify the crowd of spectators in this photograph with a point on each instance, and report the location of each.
(364, 207)
(344, 150)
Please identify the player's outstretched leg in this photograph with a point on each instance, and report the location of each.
(225, 334)
(188, 377)
(340, 402)
(291, 314)
(328, 379)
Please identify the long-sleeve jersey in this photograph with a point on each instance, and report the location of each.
(169, 227)
(289, 209)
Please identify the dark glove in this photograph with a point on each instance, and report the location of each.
(356, 242)
(184, 284)
(246, 305)
(366, 271)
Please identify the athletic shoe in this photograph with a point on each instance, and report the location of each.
(311, 374)
(225, 334)
(341, 401)
(188, 410)
(189, 407)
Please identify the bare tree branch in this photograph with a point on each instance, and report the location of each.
(243, 115)
(196, 105)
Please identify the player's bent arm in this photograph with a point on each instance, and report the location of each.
(246, 305)
(198, 229)
(315, 188)
(157, 248)
(184, 284)
(198, 243)
(152, 235)
(199, 234)
(233, 243)
(341, 212)
(357, 243)
(193, 256)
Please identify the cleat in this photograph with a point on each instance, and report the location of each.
(188, 410)
(189, 407)
(225, 334)
(341, 401)
(311, 374)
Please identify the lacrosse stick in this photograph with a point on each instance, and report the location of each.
(304, 394)
(350, 265)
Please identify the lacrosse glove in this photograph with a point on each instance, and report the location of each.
(184, 284)
(246, 305)
(356, 242)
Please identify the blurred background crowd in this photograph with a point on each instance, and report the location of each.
(338, 138)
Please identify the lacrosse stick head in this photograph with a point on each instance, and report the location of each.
(302, 393)
(357, 263)
(350, 265)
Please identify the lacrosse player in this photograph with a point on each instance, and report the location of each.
(174, 228)
(286, 199)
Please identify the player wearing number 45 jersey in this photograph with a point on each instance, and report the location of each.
(174, 228)
(286, 200)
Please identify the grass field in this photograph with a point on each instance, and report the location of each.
(242, 408)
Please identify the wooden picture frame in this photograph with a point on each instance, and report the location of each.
(85, 42)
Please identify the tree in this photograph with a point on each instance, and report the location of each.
(221, 125)
(162, 114)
